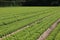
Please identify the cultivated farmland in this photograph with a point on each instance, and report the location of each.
(29, 23)
(55, 34)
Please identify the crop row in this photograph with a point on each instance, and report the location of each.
(58, 36)
(33, 32)
(18, 24)
(7, 29)
(28, 12)
(14, 26)
(54, 35)
(19, 17)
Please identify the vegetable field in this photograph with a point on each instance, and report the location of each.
(29, 23)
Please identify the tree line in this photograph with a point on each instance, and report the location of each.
(29, 2)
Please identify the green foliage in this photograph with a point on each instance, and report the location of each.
(54, 34)
(58, 36)
(16, 18)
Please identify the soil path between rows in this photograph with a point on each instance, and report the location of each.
(49, 30)
(0, 38)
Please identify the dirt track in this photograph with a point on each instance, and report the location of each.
(48, 31)
(0, 38)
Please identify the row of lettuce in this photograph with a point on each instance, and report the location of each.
(33, 32)
(55, 34)
(15, 25)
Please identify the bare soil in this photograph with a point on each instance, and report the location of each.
(0, 38)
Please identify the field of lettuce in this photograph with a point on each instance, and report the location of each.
(28, 23)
